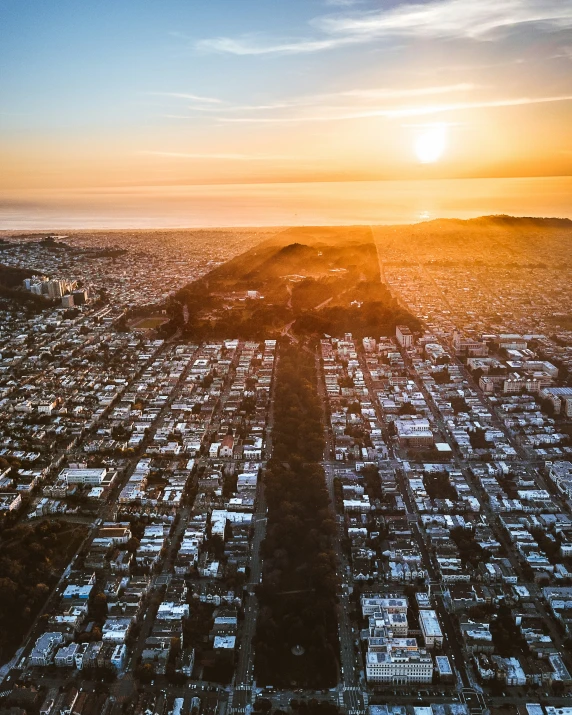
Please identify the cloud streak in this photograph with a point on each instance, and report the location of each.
(396, 112)
(351, 104)
(474, 19)
(190, 97)
(341, 3)
(364, 96)
(222, 157)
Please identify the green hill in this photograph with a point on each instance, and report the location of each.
(306, 281)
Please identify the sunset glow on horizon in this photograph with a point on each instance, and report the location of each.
(178, 93)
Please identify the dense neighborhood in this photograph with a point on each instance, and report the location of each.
(377, 524)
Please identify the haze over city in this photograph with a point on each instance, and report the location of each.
(286, 357)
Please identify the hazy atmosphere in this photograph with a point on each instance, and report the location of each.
(286, 357)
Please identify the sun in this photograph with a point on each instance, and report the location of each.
(430, 143)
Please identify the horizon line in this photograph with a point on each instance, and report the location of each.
(256, 182)
(278, 226)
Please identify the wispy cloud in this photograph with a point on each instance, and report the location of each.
(223, 157)
(476, 19)
(190, 97)
(451, 18)
(342, 3)
(396, 112)
(360, 97)
(249, 46)
(393, 93)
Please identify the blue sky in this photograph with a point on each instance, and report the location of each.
(173, 91)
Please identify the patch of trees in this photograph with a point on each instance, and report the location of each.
(11, 279)
(229, 485)
(197, 627)
(31, 558)
(310, 293)
(298, 432)
(372, 482)
(338, 494)
(297, 596)
(107, 253)
(442, 377)
(470, 551)
(506, 634)
(550, 546)
(477, 439)
(31, 301)
(12, 276)
(438, 486)
(377, 317)
(176, 319)
(247, 406)
(459, 405)
(238, 322)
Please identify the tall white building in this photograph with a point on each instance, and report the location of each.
(404, 336)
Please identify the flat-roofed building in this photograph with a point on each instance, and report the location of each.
(399, 667)
(430, 628)
(44, 649)
(84, 476)
(414, 432)
(443, 669)
(375, 604)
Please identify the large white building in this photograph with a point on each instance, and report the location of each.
(115, 630)
(84, 476)
(399, 667)
(45, 648)
(393, 658)
(414, 432)
(384, 622)
(169, 611)
(375, 604)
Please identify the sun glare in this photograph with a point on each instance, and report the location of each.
(430, 143)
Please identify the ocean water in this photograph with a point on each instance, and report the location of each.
(321, 203)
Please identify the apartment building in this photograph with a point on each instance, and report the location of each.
(404, 336)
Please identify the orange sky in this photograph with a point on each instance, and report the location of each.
(320, 90)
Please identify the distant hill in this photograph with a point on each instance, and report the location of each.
(508, 241)
(503, 221)
(517, 221)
